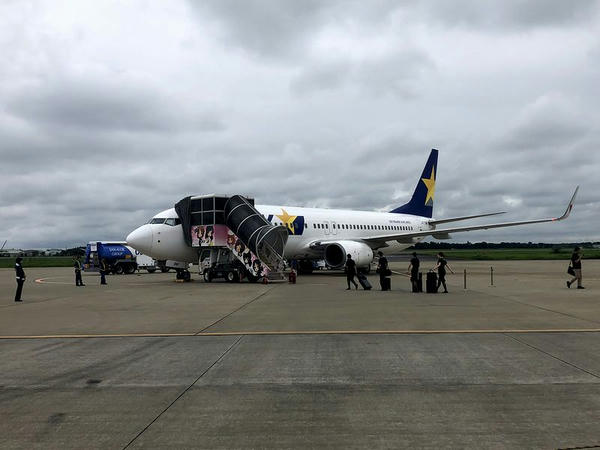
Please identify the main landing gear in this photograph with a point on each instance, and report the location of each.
(305, 266)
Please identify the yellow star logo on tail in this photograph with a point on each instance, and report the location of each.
(430, 183)
(287, 220)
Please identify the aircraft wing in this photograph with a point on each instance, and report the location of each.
(456, 219)
(445, 232)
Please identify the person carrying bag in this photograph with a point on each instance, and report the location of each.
(384, 272)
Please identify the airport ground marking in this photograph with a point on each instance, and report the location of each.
(527, 344)
(236, 310)
(300, 332)
(43, 281)
(220, 358)
(514, 300)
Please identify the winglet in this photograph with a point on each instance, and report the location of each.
(569, 207)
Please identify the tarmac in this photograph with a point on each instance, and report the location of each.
(146, 362)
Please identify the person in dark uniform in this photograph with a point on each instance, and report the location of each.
(576, 265)
(413, 269)
(20, 275)
(77, 266)
(103, 271)
(382, 270)
(351, 272)
(441, 266)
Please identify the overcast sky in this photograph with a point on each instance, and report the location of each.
(111, 111)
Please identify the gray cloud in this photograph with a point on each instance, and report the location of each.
(519, 14)
(282, 29)
(393, 74)
(107, 104)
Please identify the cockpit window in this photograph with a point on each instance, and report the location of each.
(157, 220)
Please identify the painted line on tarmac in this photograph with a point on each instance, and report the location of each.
(203, 330)
(300, 332)
(43, 281)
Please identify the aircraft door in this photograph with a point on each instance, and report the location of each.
(326, 225)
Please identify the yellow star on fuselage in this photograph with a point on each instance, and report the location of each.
(287, 220)
(430, 183)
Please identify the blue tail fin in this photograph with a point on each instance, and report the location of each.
(421, 203)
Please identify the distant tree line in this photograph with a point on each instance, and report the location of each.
(75, 251)
(500, 245)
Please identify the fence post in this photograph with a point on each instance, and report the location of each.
(465, 279)
(491, 276)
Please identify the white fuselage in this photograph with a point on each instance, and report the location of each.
(166, 241)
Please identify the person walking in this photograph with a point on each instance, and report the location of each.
(77, 266)
(103, 271)
(576, 266)
(351, 272)
(20, 275)
(383, 270)
(441, 266)
(413, 270)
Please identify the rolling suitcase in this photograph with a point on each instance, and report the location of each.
(292, 277)
(364, 282)
(431, 283)
(386, 284)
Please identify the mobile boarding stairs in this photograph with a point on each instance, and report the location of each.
(219, 225)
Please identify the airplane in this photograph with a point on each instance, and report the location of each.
(333, 234)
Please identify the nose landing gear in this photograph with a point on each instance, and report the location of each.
(184, 275)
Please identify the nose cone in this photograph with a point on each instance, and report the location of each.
(141, 239)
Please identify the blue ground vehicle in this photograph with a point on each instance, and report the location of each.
(119, 257)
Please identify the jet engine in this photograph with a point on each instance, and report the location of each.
(336, 253)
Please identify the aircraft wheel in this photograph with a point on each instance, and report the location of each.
(305, 267)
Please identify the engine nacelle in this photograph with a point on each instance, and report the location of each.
(336, 253)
